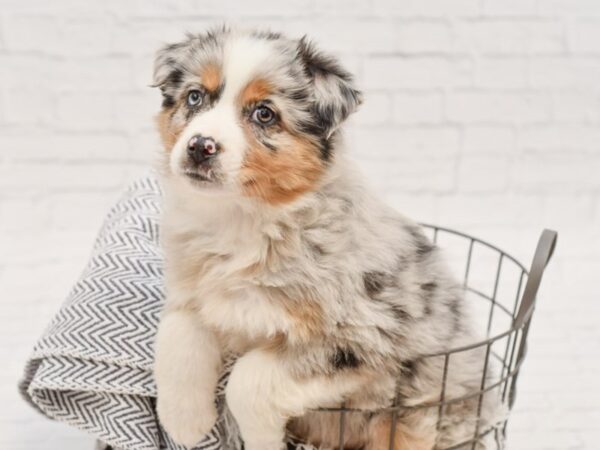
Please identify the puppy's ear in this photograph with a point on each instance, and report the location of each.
(335, 97)
(168, 71)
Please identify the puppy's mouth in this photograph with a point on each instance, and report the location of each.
(201, 176)
(197, 176)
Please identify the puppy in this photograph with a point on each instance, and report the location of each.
(277, 251)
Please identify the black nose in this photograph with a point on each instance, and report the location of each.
(201, 148)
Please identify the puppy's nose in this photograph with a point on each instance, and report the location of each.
(201, 148)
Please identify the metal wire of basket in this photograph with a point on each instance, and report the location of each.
(503, 345)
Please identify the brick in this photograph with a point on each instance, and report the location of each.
(496, 107)
(2, 39)
(499, 37)
(405, 143)
(136, 111)
(29, 107)
(33, 33)
(547, 37)
(375, 110)
(562, 173)
(427, 7)
(575, 107)
(584, 35)
(566, 139)
(483, 173)
(145, 146)
(502, 73)
(517, 8)
(78, 210)
(421, 207)
(423, 72)
(62, 148)
(90, 35)
(511, 37)
(58, 8)
(45, 248)
(33, 177)
(489, 139)
(490, 210)
(432, 36)
(269, 8)
(577, 271)
(144, 37)
(343, 35)
(23, 213)
(435, 175)
(578, 228)
(50, 34)
(142, 74)
(3, 109)
(99, 74)
(418, 107)
(568, 7)
(559, 73)
(339, 8)
(161, 8)
(85, 111)
(57, 278)
(28, 71)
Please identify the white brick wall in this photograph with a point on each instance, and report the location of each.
(482, 115)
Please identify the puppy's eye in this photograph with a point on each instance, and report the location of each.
(194, 98)
(263, 115)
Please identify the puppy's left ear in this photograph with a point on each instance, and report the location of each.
(335, 97)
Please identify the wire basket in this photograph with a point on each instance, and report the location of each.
(504, 293)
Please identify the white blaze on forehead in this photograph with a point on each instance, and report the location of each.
(243, 58)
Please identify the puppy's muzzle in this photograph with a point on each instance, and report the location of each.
(200, 149)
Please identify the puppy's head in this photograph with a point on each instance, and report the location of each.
(252, 114)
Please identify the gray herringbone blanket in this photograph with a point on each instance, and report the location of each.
(92, 367)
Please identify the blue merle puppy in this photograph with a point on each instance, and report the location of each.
(277, 251)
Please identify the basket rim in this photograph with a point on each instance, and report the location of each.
(476, 239)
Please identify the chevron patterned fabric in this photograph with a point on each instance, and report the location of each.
(92, 366)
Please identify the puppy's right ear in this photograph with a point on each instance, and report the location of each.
(168, 72)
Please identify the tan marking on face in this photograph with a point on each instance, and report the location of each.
(168, 131)
(255, 91)
(211, 77)
(280, 176)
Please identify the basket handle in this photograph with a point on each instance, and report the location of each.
(543, 253)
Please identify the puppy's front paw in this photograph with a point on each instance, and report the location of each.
(186, 419)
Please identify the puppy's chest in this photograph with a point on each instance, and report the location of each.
(258, 289)
(243, 300)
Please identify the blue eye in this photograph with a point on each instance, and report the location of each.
(263, 115)
(194, 98)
